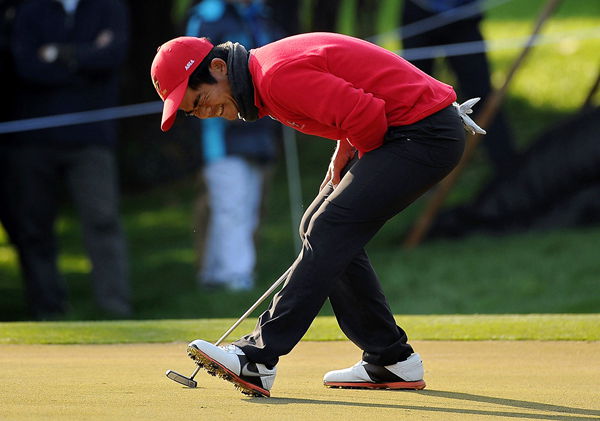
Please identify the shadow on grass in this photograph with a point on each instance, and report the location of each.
(574, 414)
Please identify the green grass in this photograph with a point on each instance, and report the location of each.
(542, 272)
(557, 327)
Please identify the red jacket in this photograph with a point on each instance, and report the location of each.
(340, 87)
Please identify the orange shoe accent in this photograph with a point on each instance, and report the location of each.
(418, 385)
(214, 368)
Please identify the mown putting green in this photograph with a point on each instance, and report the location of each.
(467, 380)
(477, 367)
(582, 327)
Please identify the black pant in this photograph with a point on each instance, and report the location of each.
(8, 212)
(472, 73)
(335, 229)
(90, 175)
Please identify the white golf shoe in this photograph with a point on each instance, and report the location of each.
(230, 363)
(406, 374)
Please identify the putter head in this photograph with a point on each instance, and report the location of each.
(181, 379)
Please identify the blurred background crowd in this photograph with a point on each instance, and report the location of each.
(105, 216)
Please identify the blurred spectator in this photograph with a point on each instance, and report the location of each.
(556, 185)
(67, 55)
(286, 14)
(237, 155)
(471, 70)
(324, 15)
(7, 73)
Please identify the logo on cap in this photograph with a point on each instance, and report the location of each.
(189, 64)
(162, 93)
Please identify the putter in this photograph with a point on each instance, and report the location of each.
(189, 381)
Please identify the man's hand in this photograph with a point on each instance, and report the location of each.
(104, 38)
(48, 53)
(342, 155)
(62, 54)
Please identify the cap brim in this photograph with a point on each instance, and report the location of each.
(172, 103)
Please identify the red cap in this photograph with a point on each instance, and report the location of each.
(173, 64)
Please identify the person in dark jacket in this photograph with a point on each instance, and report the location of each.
(67, 55)
(7, 73)
(398, 133)
(471, 70)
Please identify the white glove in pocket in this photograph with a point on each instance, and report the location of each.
(463, 110)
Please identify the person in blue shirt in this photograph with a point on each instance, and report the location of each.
(236, 155)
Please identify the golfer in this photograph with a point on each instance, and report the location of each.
(398, 133)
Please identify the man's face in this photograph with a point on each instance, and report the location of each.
(211, 100)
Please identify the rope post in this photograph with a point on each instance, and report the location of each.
(590, 97)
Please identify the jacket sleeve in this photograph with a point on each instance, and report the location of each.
(83, 57)
(25, 42)
(310, 91)
(88, 57)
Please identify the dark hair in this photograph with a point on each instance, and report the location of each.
(202, 74)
